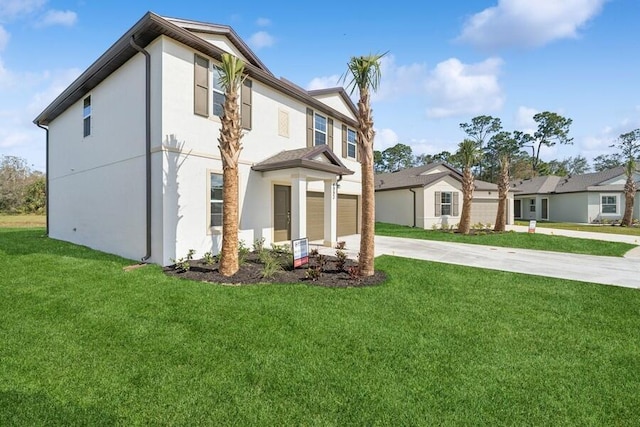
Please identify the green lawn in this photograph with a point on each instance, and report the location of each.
(22, 220)
(512, 240)
(86, 343)
(594, 228)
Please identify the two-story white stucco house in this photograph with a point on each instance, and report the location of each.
(133, 164)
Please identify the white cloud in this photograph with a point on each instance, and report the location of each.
(384, 138)
(4, 38)
(324, 82)
(6, 77)
(261, 39)
(455, 88)
(398, 80)
(65, 18)
(523, 120)
(526, 23)
(11, 9)
(263, 22)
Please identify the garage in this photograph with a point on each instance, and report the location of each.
(484, 211)
(347, 215)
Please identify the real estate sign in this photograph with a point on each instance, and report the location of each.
(532, 226)
(300, 252)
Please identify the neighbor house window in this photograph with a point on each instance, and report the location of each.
(445, 203)
(218, 93)
(532, 205)
(609, 204)
(351, 143)
(215, 199)
(320, 129)
(86, 116)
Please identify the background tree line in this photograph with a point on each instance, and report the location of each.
(22, 190)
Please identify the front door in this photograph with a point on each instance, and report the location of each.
(281, 213)
(517, 208)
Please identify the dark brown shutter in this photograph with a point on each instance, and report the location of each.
(330, 133)
(438, 200)
(201, 86)
(245, 97)
(454, 209)
(344, 141)
(309, 127)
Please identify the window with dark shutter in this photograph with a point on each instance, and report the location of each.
(330, 133)
(201, 86)
(245, 97)
(455, 204)
(344, 141)
(309, 127)
(438, 207)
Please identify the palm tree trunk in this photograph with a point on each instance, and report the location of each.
(503, 191)
(365, 143)
(467, 197)
(629, 197)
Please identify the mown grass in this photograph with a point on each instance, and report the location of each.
(22, 220)
(86, 343)
(543, 242)
(593, 228)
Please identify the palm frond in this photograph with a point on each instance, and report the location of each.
(364, 71)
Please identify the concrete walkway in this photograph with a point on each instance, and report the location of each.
(616, 271)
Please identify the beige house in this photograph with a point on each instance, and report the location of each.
(431, 195)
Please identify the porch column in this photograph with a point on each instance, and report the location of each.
(298, 206)
(330, 213)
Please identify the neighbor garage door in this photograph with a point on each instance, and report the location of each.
(347, 215)
(484, 211)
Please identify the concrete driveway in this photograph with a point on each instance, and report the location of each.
(616, 271)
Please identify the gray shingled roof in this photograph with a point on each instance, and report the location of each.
(411, 178)
(305, 158)
(569, 184)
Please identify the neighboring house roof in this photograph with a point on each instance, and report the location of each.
(417, 177)
(150, 27)
(594, 181)
(319, 158)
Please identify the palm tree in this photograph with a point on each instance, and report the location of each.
(504, 146)
(503, 193)
(469, 154)
(629, 146)
(231, 77)
(365, 72)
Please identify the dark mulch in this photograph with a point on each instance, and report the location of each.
(251, 272)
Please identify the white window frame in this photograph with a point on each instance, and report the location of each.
(318, 130)
(616, 204)
(444, 204)
(352, 143)
(217, 89)
(86, 116)
(211, 227)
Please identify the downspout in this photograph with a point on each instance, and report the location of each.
(148, 140)
(414, 207)
(46, 185)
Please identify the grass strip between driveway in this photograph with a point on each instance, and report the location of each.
(86, 343)
(543, 242)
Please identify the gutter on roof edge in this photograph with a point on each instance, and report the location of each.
(147, 151)
(414, 206)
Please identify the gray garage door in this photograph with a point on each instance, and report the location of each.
(347, 215)
(484, 211)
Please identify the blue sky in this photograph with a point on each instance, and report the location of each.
(447, 61)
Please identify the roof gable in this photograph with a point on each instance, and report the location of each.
(320, 158)
(423, 176)
(336, 98)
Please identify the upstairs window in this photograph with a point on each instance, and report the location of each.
(320, 129)
(609, 205)
(218, 93)
(351, 143)
(86, 116)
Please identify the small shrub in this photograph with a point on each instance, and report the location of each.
(209, 258)
(184, 264)
(321, 262)
(243, 252)
(341, 259)
(354, 272)
(314, 273)
(258, 245)
(313, 253)
(270, 264)
(434, 227)
(283, 249)
(341, 245)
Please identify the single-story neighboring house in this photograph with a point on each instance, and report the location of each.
(133, 163)
(585, 198)
(431, 195)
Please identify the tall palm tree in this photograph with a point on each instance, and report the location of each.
(503, 193)
(365, 73)
(629, 146)
(504, 146)
(231, 77)
(469, 154)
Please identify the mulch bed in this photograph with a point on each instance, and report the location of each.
(251, 272)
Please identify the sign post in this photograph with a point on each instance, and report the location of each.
(300, 252)
(532, 226)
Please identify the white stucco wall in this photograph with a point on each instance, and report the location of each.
(336, 102)
(97, 183)
(396, 206)
(430, 218)
(569, 207)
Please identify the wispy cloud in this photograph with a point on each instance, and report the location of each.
(324, 82)
(13, 9)
(526, 23)
(456, 89)
(66, 18)
(263, 22)
(4, 38)
(261, 39)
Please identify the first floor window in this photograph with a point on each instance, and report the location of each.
(445, 203)
(218, 93)
(351, 143)
(609, 204)
(320, 129)
(86, 116)
(532, 205)
(215, 198)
